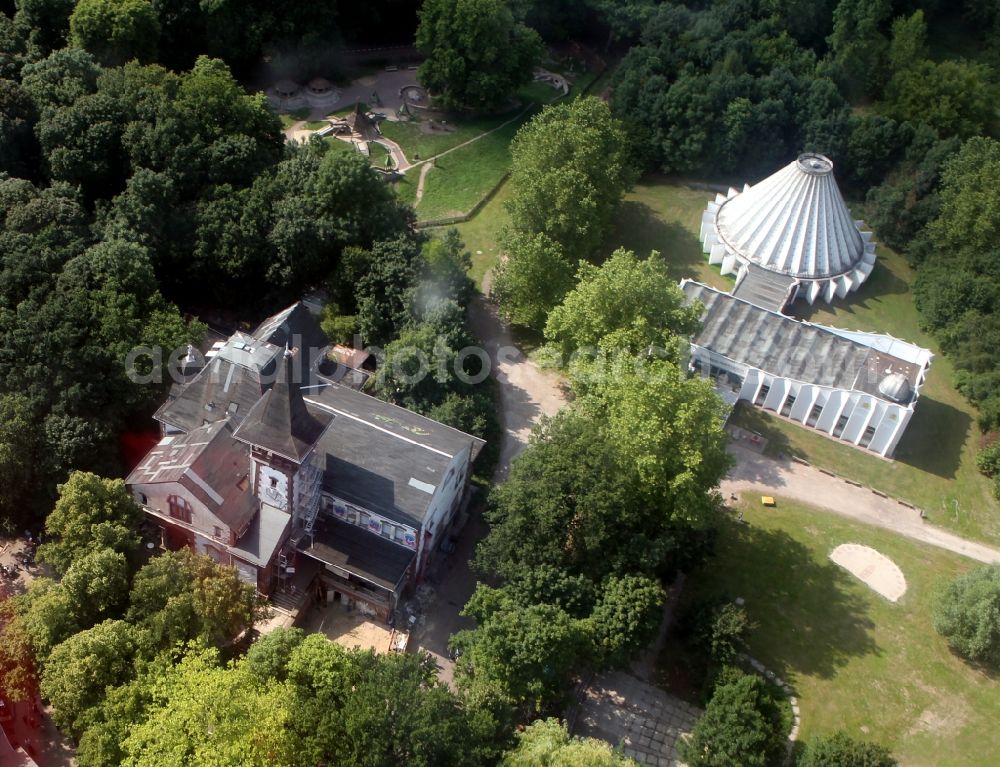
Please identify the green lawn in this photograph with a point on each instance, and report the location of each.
(480, 233)
(377, 153)
(664, 217)
(419, 143)
(462, 178)
(856, 661)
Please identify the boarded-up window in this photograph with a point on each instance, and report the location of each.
(180, 508)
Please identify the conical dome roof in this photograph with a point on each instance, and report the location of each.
(794, 223)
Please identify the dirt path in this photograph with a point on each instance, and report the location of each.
(420, 183)
(526, 391)
(755, 473)
(526, 394)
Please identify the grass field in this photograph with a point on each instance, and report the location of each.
(462, 178)
(855, 660)
(480, 233)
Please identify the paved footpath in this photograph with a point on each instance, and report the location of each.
(644, 720)
(755, 473)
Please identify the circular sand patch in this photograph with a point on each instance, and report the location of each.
(877, 571)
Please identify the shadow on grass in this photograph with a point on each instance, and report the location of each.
(934, 438)
(640, 229)
(808, 616)
(746, 416)
(882, 282)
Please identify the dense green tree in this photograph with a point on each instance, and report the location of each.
(741, 726)
(17, 667)
(48, 616)
(212, 714)
(60, 79)
(478, 52)
(13, 48)
(269, 656)
(182, 596)
(384, 293)
(956, 98)
(18, 146)
(967, 614)
(547, 743)
(19, 450)
(570, 167)
(859, 42)
(669, 428)
(529, 651)
(115, 31)
(622, 306)
(47, 22)
(908, 47)
(841, 750)
(80, 670)
(97, 583)
(91, 512)
(533, 275)
(625, 617)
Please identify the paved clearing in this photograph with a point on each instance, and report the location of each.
(872, 568)
(644, 720)
(757, 474)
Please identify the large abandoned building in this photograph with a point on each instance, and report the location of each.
(791, 237)
(300, 483)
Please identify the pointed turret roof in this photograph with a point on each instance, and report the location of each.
(794, 222)
(280, 421)
(358, 121)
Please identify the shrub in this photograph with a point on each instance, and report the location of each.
(841, 750)
(742, 726)
(967, 614)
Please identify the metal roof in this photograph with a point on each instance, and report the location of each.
(210, 464)
(794, 222)
(384, 458)
(789, 348)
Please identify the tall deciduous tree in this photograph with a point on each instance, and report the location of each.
(478, 51)
(91, 512)
(669, 428)
(115, 31)
(532, 277)
(547, 742)
(967, 614)
(741, 726)
(625, 305)
(571, 165)
(80, 670)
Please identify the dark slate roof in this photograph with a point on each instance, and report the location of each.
(296, 327)
(281, 422)
(384, 458)
(264, 536)
(369, 556)
(210, 464)
(228, 386)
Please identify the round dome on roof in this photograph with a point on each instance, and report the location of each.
(794, 222)
(286, 88)
(319, 85)
(896, 387)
